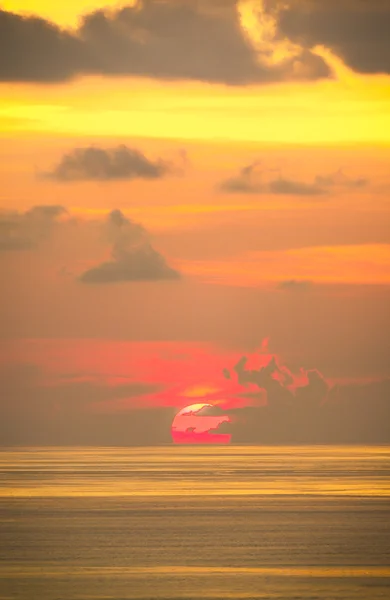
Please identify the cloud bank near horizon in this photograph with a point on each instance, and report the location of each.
(266, 405)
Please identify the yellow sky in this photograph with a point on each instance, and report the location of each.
(327, 112)
(66, 13)
(350, 108)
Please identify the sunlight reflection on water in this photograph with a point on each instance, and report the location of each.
(195, 523)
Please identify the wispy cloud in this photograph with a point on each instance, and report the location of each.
(342, 264)
(254, 179)
(23, 231)
(299, 285)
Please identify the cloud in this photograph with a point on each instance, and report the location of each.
(23, 231)
(101, 164)
(133, 256)
(357, 31)
(52, 403)
(222, 427)
(252, 179)
(210, 411)
(304, 408)
(291, 187)
(34, 410)
(171, 39)
(339, 179)
(33, 49)
(299, 285)
(282, 386)
(351, 414)
(259, 21)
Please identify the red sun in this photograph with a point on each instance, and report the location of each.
(201, 424)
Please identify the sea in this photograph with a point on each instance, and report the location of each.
(195, 522)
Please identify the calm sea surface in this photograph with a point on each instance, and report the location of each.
(195, 523)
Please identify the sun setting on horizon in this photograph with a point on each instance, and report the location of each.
(195, 270)
(200, 424)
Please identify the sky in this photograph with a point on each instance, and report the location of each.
(184, 183)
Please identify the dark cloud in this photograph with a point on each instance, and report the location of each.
(277, 382)
(354, 414)
(252, 179)
(23, 231)
(162, 39)
(33, 49)
(108, 164)
(195, 40)
(133, 256)
(356, 30)
(313, 413)
(226, 373)
(223, 427)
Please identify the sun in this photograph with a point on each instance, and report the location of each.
(201, 424)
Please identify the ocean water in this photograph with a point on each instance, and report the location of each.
(195, 523)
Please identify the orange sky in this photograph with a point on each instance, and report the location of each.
(183, 183)
(299, 129)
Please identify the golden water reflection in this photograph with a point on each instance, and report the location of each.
(195, 471)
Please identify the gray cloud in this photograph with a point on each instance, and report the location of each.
(311, 413)
(351, 414)
(23, 231)
(33, 49)
(198, 40)
(164, 39)
(82, 164)
(252, 179)
(133, 256)
(356, 30)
